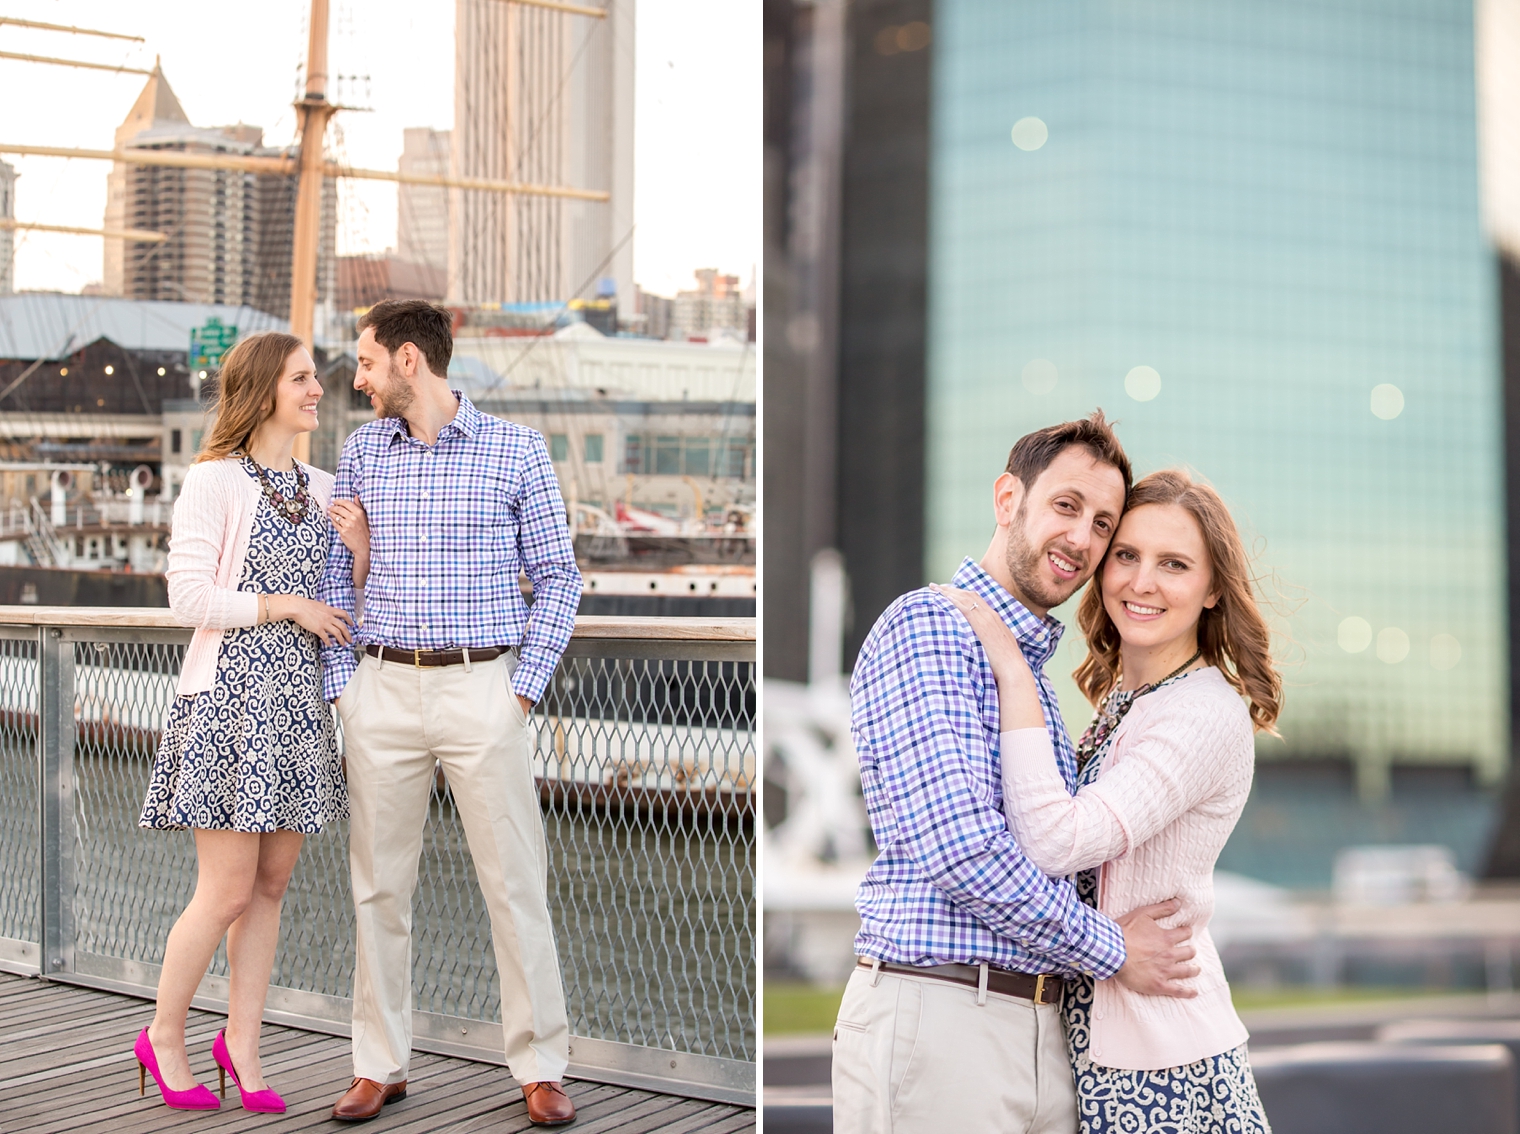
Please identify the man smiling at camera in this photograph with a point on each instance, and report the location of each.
(951, 1020)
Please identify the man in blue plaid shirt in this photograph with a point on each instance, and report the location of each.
(457, 504)
(951, 1020)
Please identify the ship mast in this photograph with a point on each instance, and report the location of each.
(313, 112)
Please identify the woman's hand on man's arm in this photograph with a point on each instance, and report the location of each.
(352, 525)
(333, 627)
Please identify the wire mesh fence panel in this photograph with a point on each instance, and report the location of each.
(20, 868)
(129, 883)
(647, 767)
(644, 766)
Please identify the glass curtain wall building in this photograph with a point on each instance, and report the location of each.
(1249, 231)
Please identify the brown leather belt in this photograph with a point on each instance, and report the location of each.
(1043, 988)
(428, 658)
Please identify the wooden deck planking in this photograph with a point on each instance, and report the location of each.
(67, 1066)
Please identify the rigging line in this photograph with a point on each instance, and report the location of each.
(728, 412)
(559, 91)
(596, 272)
(66, 28)
(406, 204)
(494, 25)
(126, 357)
(123, 69)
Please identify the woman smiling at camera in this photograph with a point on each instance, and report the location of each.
(1179, 668)
(248, 759)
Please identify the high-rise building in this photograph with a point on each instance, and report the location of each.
(230, 233)
(1251, 234)
(7, 236)
(847, 115)
(1498, 41)
(422, 211)
(546, 98)
(276, 243)
(1266, 259)
(651, 314)
(715, 304)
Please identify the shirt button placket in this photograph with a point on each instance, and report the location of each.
(428, 470)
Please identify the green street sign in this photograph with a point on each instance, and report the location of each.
(210, 342)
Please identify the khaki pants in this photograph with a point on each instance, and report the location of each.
(914, 1055)
(397, 719)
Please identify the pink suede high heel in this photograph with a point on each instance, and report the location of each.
(264, 1102)
(196, 1098)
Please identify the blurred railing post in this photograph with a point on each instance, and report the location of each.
(55, 782)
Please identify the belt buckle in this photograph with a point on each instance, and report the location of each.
(417, 658)
(1039, 989)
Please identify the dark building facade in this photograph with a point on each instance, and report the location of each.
(846, 249)
(100, 377)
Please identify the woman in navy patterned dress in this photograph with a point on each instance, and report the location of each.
(248, 759)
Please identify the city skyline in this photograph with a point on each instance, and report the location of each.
(684, 51)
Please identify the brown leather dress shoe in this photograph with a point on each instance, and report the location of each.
(548, 1105)
(364, 1099)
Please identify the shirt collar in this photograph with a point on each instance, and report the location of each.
(1039, 637)
(466, 420)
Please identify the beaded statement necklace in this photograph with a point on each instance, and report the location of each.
(1113, 709)
(295, 507)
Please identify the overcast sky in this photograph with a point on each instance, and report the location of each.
(697, 144)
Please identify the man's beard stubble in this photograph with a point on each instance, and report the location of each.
(1023, 561)
(398, 395)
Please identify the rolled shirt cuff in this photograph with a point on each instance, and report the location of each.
(531, 678)
(338, 666)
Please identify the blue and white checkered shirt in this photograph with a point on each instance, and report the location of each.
(950, 884)
(450, 525)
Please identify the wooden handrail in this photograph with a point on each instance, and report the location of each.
(587, 626)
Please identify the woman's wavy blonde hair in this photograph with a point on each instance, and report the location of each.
(246, 387)
(1232, 634)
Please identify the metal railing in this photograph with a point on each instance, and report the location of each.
(645, 762)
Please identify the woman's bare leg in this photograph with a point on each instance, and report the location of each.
(251, 943)
(227, 863)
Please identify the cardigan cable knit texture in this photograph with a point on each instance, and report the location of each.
(1164, 803)
(208, 543)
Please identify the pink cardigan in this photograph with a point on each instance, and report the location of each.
(1155, 820)
(213, 521)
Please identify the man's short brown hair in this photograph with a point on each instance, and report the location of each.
(427, 326)
(1033, 452)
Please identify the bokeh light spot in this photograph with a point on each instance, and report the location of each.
(1392, 645)
(1354, 634)
(1387, 401)
(1142, 383)
(1445, 651)
(1029, 133)
(1040, 376)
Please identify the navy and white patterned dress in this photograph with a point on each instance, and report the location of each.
(1216, 1095)
(258, 750)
